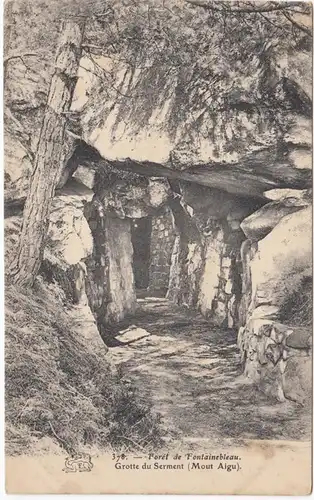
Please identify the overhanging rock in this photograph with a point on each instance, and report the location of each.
(250, 177)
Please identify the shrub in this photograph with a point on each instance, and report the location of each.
(296, 308)
(293, 295)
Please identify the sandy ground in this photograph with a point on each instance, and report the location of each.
(191, 372)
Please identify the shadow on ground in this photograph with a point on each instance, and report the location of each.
(192, 373)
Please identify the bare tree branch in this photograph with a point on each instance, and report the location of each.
(19, 56)
(288, 9)
(269, 7)
(105, 73)
(301, 27)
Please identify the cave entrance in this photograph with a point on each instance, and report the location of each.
(141, 239)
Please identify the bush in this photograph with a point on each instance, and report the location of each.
(56, 387)
(293, 295)
(296, 307)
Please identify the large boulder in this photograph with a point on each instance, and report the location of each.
(304, 195)
(233, 145)
(257, 225)
(110, 283)
(69, 235)
(18, 168)
(283, 260)
(128, 199)
(69, 241)
(300, 338)
(277, 355)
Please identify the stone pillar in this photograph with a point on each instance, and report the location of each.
(206, 270)
(119, 256)
(161, 246)
(110, 282)
(220, 284)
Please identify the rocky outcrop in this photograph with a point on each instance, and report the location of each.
(277, 355)
(233, 167)
(283, 260)
(69, 242)
(234, 145)
(22, 124)
(69, 234)
(241, 126)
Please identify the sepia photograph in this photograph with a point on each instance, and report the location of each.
(158, 246)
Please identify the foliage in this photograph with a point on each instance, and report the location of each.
(219, 45)
(215, 64)
(218, 71)
(296, 300)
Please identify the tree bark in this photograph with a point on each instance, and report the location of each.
(7, 33)
(49, 155)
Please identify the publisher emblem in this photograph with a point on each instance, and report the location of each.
(80, 462)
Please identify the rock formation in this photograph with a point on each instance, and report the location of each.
(226, 186)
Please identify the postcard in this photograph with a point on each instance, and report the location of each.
(158, 246)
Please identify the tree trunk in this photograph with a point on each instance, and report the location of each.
(7, 34)
(48, 155)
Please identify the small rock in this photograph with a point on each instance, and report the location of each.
(262, 358)
(226, 262)
(273, 353)
(300, 338)
(271, 382)
(279, 194)
(253, 342)
(282, 365)
(241, 333)
(253, 369)
(133, 334)
(85, 176)
(228, 287)
(297, 379)
(276, 336)
(234, 224)
(265, 311)
(265, 329)
(260, 327)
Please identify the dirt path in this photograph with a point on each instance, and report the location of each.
(191, 373)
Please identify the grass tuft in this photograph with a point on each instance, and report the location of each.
(61, 394)
(295, 299)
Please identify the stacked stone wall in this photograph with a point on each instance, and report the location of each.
(161, 247)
